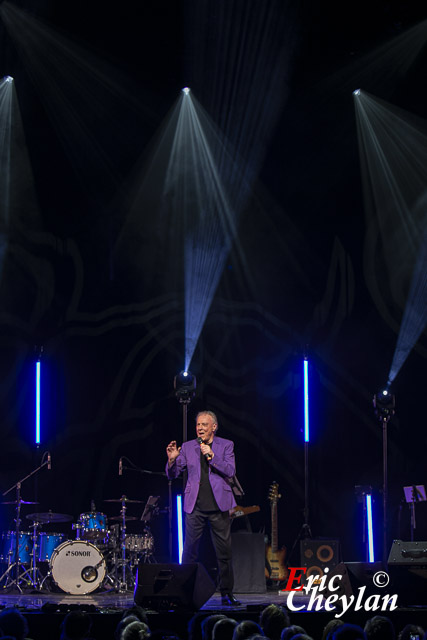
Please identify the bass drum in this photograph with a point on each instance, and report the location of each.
(78, 567)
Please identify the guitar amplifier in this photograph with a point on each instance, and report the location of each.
(316, 555)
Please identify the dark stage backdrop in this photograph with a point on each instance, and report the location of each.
(111, 324)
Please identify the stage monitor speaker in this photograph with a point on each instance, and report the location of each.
(248, 552)
(163, 587)
(407, 568)
(316, 555)
(355, 575)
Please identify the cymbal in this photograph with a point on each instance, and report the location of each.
(20, 502)
(124, 499)
(48, 516)
(120, 519)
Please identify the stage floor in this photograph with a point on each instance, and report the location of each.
(34, 601)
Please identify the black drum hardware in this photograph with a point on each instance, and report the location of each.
(102, 555)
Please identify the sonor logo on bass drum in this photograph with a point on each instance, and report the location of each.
(84, 554)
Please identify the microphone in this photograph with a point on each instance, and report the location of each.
(49, 465)
(89, 574)
(120, 467)
(207, 456)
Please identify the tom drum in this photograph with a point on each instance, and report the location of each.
(93, 526)
(47, 543)
(8, 547)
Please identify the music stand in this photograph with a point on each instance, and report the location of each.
(150, 508)
(413, 494)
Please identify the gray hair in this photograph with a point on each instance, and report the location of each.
(211, 414)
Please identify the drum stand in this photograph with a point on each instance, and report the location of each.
(122, 578)
(126, 552)
(22, 575)
(16, 572)
(147, 554)
(37, 578)
(19, 572)
(31, 576)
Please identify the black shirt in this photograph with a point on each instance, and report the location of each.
(205, 498)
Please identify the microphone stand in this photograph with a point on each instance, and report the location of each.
(18, 503)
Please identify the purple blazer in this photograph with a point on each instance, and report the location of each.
(221, 467)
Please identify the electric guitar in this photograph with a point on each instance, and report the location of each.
(238, 512)
(275, 567)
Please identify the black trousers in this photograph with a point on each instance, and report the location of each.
(220, 528)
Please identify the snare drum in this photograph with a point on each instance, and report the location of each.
(47, 543)
(93, 526)
(140, 543)
(77, 567)
(8, 547)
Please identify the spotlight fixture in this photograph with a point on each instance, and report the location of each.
(384, 403)
(356, 92)
(185, 386)
(186, 90)
(8, 79)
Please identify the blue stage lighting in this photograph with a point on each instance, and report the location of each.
(180, 528)
(8, 79)
(371, 555)
(38, 384)
(185, 386)
(186, 90)
(384, 404)
(306, 404)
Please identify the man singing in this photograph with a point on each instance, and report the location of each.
(208, 497)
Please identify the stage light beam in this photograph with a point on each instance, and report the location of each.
(201, 206)
(393, 159)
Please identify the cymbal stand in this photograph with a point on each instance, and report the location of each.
(30, 576)
(37, 577)
(120, 564)
(157, 473)
(150, 511)
(16, 564)
(123, 584)
(148, 555)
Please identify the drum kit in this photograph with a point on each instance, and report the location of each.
(101, 556)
